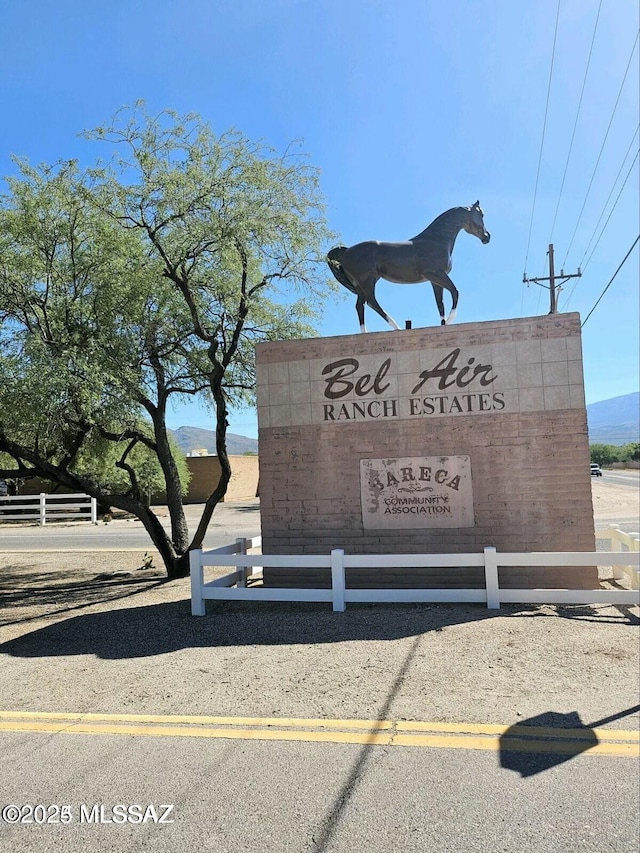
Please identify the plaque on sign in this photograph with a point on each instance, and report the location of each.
(416, 491)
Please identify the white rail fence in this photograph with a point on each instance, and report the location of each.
(45, 507)
(618, 540)
(233, 586)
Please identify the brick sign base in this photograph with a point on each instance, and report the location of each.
(436, 440)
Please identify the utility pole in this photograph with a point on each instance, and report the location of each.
(554, 289)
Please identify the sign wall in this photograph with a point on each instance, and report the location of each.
(442, 439)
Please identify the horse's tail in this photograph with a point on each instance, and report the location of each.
(333, 259)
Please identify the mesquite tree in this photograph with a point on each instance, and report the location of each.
(149, 278)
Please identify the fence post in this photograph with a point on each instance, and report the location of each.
(94, 511)
(43, 509)
(337, 579)
(491, 578)
(196, 572)
(242, 549)
(633, 572)
(616, 537)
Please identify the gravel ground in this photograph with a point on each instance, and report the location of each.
(105, 633)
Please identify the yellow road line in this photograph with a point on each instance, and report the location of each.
(532, 731)
(321, 722)
(200, 732)
(609, 742)
(508, 744)
(280, 722)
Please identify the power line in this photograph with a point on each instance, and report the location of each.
(613, 208)
(575, 124)
(604, 227)
(544, 128)
(595, 168)
(635, 243)
(613, 186)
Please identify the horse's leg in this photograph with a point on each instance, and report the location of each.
(373, 302)
(437, 292)
(360, 310)
(442, 279)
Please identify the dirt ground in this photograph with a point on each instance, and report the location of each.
(103, 632)
(615, 503)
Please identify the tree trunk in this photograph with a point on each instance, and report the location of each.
(179, 527)
(221, 449)
(176, 561)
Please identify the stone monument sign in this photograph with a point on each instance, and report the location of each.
(434, 440)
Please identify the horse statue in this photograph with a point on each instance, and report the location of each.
(426, 257)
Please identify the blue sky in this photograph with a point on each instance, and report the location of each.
(408, 108)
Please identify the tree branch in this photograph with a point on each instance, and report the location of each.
(136, 493)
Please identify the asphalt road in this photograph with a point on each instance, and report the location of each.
(229, 522)
(235, 796)
(630, 479)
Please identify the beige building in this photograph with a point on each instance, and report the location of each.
(205, 475)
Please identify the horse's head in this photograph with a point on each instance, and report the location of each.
(475, 223)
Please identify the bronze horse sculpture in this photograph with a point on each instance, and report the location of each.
(426, 257)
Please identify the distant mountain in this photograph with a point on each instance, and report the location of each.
(194, 438)
(615, 421)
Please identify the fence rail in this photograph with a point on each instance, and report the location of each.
(46, 507)
(233, 586)
(625, 542)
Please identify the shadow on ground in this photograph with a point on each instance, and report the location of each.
(584, 612)
(155, 629)
(255, 508)
(27, 596)
(166, 627)
(534, 745)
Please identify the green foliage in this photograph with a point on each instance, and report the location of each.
(237, 228)
(629, 453)
(75, 292)
(607, 454)
(138, 282)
